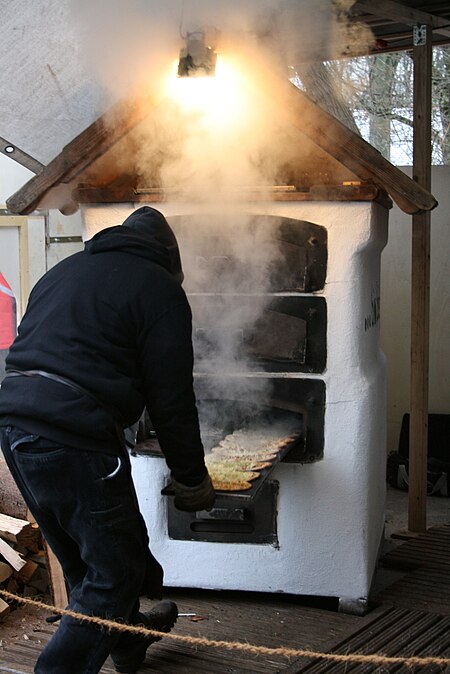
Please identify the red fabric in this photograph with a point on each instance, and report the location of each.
(7, 314)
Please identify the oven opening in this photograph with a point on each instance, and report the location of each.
(255, 412)
(249, 424)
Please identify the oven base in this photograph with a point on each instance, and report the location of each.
(309, 556)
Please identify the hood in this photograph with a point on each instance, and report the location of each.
(145, 233)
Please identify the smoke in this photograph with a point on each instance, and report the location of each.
(318, 30)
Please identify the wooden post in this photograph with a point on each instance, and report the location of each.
(420, 291)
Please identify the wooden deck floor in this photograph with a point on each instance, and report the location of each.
(411, 616)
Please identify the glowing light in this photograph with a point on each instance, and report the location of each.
(221, 101)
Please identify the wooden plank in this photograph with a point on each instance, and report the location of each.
(267, 620)
(420, 292)
(429, 550)
(362, 192)
(414, 633)
(424, 589)
(57, 580)
(351, 192)
(404, 14)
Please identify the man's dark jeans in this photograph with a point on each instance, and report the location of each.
(86, 507)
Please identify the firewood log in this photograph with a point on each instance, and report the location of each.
(11, 556)
(27, 571)
(19, 531)
(4, 608)
(5, 572)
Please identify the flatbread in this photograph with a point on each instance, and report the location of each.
(228, 471)
(239, 458)
(231, 486)
(230, 475)
(222, 454)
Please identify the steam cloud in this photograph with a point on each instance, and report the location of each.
(228, 259)
(135, 41)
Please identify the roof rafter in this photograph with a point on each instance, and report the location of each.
(403, 14)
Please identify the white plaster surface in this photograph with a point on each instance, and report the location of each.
(396, 307)
(12, 177)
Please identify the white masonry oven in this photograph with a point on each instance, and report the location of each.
(285, 302)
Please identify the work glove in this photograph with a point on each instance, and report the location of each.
(190, 499)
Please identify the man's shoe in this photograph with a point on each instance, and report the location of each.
(161, 618)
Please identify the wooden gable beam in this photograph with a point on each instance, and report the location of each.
(90, 144)
(337, 140)
(389, 9)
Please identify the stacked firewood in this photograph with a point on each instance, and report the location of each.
(23, 564)
(23, 554)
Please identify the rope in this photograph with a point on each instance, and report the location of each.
(234, 645)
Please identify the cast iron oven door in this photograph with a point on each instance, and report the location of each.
(230, 521)
(243, 253)
(272, 334)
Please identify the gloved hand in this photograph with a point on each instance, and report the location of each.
(190, 499)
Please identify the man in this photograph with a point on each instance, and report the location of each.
(106, 333)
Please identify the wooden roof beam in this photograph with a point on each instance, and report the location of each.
(403, 14)
(81, 152)
(336, 139)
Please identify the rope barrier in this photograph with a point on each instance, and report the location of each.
(376, 659)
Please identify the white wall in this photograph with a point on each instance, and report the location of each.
(12, 177)
(33, 258)
(41, 254)
(396, 307)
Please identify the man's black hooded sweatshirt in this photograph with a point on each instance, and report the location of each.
(114, 320)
